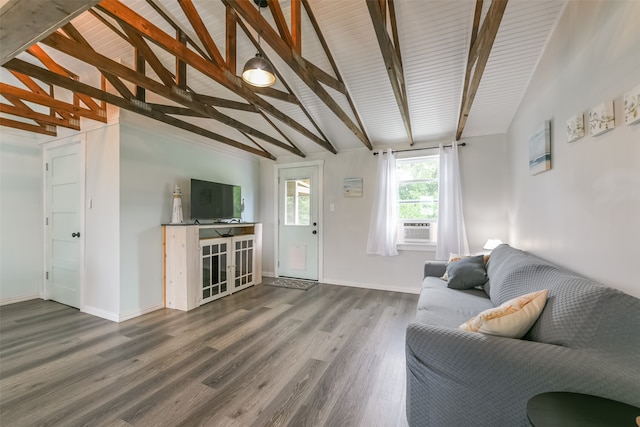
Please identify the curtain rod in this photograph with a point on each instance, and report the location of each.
(375, 153)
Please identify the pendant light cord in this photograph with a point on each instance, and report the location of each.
(259, 30)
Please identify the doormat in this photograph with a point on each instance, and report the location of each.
(281, 282)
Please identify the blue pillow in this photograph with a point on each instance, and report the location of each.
(467, 273)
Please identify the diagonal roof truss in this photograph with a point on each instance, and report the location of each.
(174, 101)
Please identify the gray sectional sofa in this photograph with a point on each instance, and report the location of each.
(586, 340)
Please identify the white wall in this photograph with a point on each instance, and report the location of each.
(101, 295)
(21, 217)
(584, 213)
(153, 158)
(345, 230)
(484, 177)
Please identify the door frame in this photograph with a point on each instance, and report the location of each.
(276, 206)
(46, 148)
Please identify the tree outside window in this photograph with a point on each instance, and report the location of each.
(298, 207)
(417, 179)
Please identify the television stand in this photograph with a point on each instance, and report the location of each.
(204, 262)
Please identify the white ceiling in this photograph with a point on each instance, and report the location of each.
(434, 41)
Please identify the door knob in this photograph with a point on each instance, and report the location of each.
(315, 223)
(314, 232)
(75, 234)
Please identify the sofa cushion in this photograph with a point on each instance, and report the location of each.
(442, 306)
(503, 262)
(575, 305)
(467, 273)
(511, 319)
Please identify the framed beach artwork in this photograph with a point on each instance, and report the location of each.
(601, 118)
(540, 149)
(575, 127)
(352, 187)
(632, 106)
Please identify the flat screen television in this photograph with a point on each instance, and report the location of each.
(215, 201)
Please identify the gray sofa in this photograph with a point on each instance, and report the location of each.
(586, 340)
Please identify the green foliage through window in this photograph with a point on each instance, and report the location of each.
(298, 207)
(418, 188)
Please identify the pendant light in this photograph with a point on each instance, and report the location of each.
(258, 71)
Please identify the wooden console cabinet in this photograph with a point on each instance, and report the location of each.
(204, 262)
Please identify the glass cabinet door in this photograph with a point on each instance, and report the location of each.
(214, 258)
(243, 247)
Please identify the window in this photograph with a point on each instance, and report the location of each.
(417, 181)
(297, 210)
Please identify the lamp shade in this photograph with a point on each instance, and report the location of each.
(492, 244)
(259, 72)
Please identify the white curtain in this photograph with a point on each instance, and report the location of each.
(382, 228)
(452, 235)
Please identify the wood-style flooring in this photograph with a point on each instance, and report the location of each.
(266, 356)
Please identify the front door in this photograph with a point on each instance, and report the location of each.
(298, 227)
(63, 211)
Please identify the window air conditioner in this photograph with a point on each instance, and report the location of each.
(416, 232)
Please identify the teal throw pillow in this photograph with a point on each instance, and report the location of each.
(467, 273)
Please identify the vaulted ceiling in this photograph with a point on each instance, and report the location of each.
(350, 73)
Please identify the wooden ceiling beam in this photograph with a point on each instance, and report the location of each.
(324, 77)
(48, 130)
(321, 39)
(123, 14)
(392, 60)
(282, 134)
(75, 35)
(108, 24)
(281, 23)
(46, 100)
(35, 87)
(175, 110)
(474, 34)
(296, 25)
(254, 141)
(29, 83)
(48, 62)
(24, 23)
(131, 105)
(201, 31)
(159, 8)
(140, 44)
(140, 67)
(277, 94)
(231, 22)
(334, 67)
(226, 103)
(479, 56)
(113, 68)
(20, 109)
(477, 14)
(181, 66)
(290, 97)
(230, 40)
(280, 46)
(394, 29)
(57, 118)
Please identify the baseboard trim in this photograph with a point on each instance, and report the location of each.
(114, 317)
(100, 313)
(405, 290)
(13, 300)
(137, 313)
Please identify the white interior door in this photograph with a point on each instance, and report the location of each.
(63, 210)
(298, 222)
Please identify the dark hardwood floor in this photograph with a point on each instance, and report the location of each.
(330, 356)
